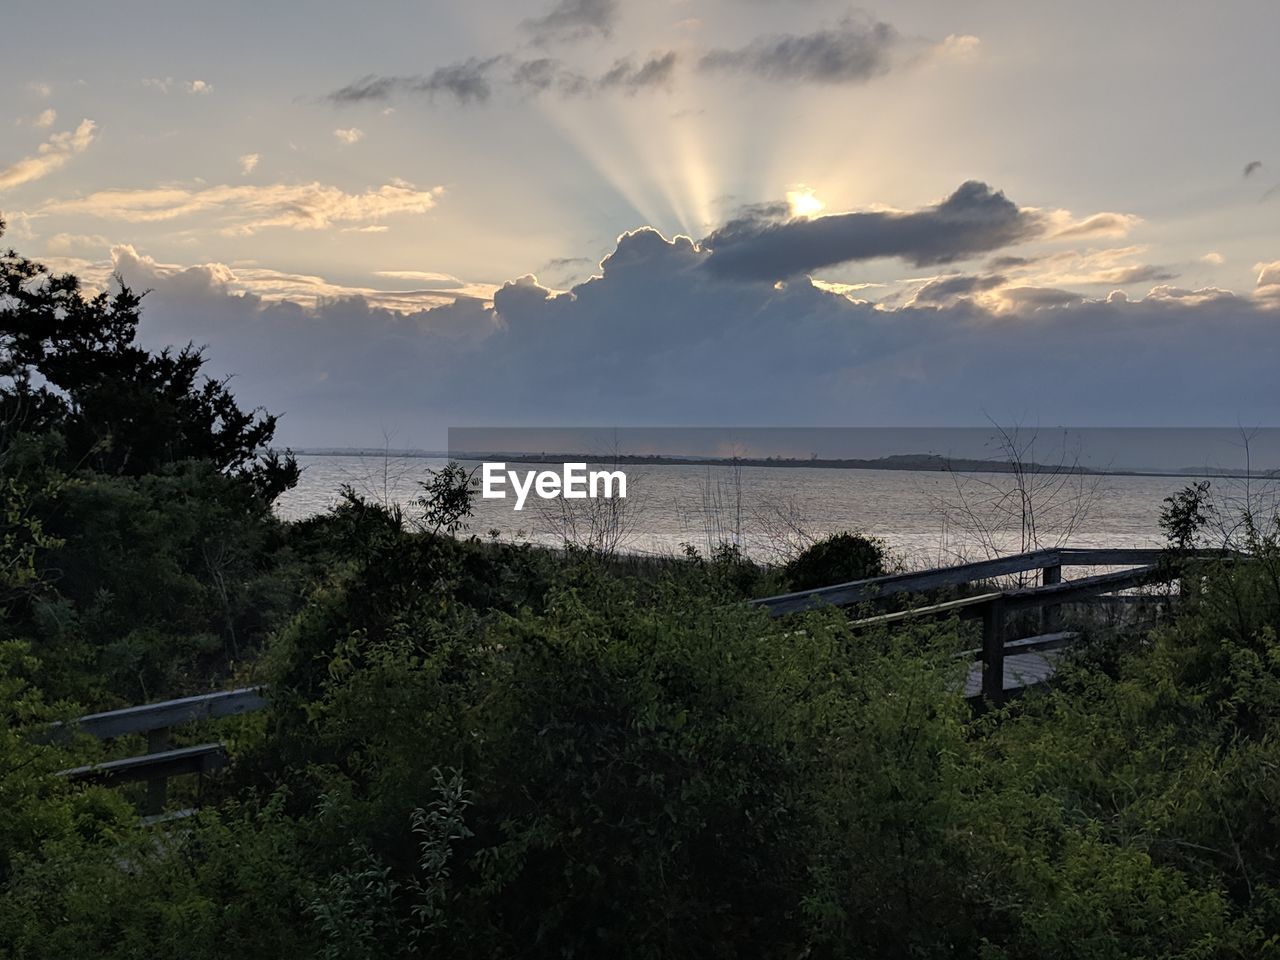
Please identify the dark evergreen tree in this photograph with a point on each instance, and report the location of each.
(71, 364)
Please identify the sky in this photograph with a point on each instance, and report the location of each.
(391, 219)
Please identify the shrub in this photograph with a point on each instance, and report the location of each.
(836, 559)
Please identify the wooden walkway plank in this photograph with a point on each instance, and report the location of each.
(1021, 670)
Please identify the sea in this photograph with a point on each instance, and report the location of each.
(925, 518)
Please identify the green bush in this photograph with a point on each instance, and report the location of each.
(839, 558)
(230, 883)
(645, 778)
(642, 768)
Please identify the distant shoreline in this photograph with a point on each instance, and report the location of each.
(911, 463)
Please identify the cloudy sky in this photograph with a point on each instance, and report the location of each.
(403, 216)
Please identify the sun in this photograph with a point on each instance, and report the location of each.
(804, 203)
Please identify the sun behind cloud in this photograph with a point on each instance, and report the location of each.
(804, 202)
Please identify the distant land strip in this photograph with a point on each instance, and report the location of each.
(917, 462)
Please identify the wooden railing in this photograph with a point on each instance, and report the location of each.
(988, 683)
(161, 761)
(992, 682)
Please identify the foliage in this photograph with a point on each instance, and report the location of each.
(226, 883)
(148, 586)
(447, 499)
(37, 805)
(139, 554)
(640, 768)
(838, 558)
(71, 364)
(1184, 514)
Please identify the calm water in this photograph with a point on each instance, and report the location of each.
(924, 517)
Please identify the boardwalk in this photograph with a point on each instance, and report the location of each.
(1021, 670)
(1006, 665)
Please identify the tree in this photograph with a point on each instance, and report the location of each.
(71, 364)
(136, 532)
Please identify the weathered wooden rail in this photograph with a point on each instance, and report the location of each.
(161, 761)
(1006, 666)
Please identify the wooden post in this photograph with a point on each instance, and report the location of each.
(1049, 613)
(157, 789)
(993, 651)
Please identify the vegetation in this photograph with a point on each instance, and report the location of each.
(486, 750)
(839, 558)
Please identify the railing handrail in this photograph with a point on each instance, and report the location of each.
(161, 761)
(859, 591)
(160, 765)
(161, 715)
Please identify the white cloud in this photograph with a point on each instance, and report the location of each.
(72, 244)
(46, 119)
(248, 162)
(97, 261)
(1123, 266)
(275, 286)
(1062, 225)
(1188, 297)
(957, 48)
(246, 209)
(1268, 288)
(52, 154)
(165, 84)
(40, 89)
(18, 225)
(421, 276)
(350, 135)
(1214, 258)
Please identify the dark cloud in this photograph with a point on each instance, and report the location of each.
(368, 87)
(1252, 167)
(474, 81)
(1123, 276)
(657, 71)
(769, 210)
(656, 338)
(548, 75)
(569, 261)
(469, 81)
(854, 52)
(946, 290)
(1038, 297)
(1009, 263)
(574, 20)
(541, 74)
(973, 220)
